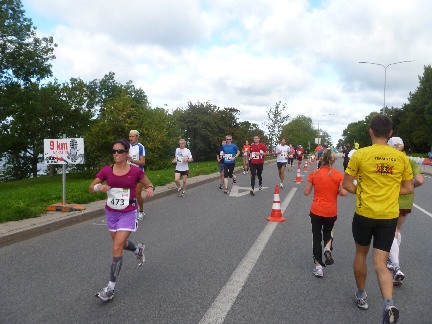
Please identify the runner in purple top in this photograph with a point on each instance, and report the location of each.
(121, 179)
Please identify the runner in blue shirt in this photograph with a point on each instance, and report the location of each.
(230, 153)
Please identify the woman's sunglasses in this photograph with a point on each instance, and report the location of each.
(118, 151)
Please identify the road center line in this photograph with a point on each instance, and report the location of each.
(421, 209)
(228, 295)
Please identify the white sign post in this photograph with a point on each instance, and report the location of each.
(64, 151)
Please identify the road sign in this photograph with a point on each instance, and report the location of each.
(64, 151)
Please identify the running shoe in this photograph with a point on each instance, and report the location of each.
(318, 272)
(226, 191)
(244, 172)
(140, 255)
(390, 265)
(362, 302)
(221, 186)
(179, 193)
(391, 315)
(234, 180)
(260, 187)
(106, 294)
(252, 192)
(281, 185)
(328, 258)
(398, 275)
(183, 193)
(141, 215)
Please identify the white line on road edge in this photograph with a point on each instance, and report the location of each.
(227, 296)
(424, 211)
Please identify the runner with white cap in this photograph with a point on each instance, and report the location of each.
(405, 205)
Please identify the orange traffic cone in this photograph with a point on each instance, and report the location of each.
(276, 213)
(298, 178)
(306, 166)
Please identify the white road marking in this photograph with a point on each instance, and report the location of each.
(237, 191)
(227, 296)
(421, 209)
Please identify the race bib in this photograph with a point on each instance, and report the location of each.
(180, 158)
(255, 155)
(228, 156)
(283, 154)
(118, 198)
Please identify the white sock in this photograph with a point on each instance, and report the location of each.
(111, 285)
(394, 253)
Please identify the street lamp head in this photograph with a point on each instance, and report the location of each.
(385, 77)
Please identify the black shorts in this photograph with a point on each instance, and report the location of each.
(281, 164)
(382, 231)
(182, 173)
(221, 167)
(228, 170)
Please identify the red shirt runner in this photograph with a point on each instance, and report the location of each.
(257, 153)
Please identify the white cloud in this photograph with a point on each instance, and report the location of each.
(247, 55)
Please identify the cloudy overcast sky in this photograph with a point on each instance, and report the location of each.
(247, 54)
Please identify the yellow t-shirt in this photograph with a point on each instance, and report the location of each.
(379, 170)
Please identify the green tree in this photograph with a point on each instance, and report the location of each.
(31, 113)
(358, 132)
(204, 125)
(246, 130)
(122, 107)
(416, 117)
(23, 56)
(299, 131)
(275, 123)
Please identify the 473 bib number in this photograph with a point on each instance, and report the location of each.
(118, 198)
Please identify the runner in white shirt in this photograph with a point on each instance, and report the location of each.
(137, 158)
(282, 151)
(182, 158)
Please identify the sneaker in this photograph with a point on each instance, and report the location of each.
(398, 275)
(390, 265)
(362, 302)
(226, 191)
(252, 192)
(141, 215)
(328, 258)
(234, 180)
(244, 172)
(260, 187)
(140, 255)
(221, 186)
(281, 185)
(183, 193)
(179, 192)
(106, 294)
(318, 272)
(391, 315)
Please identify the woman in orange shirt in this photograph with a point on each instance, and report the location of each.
(326, 183)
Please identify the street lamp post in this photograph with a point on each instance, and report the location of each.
(385, 77)
(319, 133)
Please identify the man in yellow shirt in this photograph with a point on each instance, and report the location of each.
(377, 174)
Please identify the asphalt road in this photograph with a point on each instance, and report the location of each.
(212, 258)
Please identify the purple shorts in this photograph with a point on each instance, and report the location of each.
(121, 221)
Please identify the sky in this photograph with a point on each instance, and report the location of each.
(247, 54)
